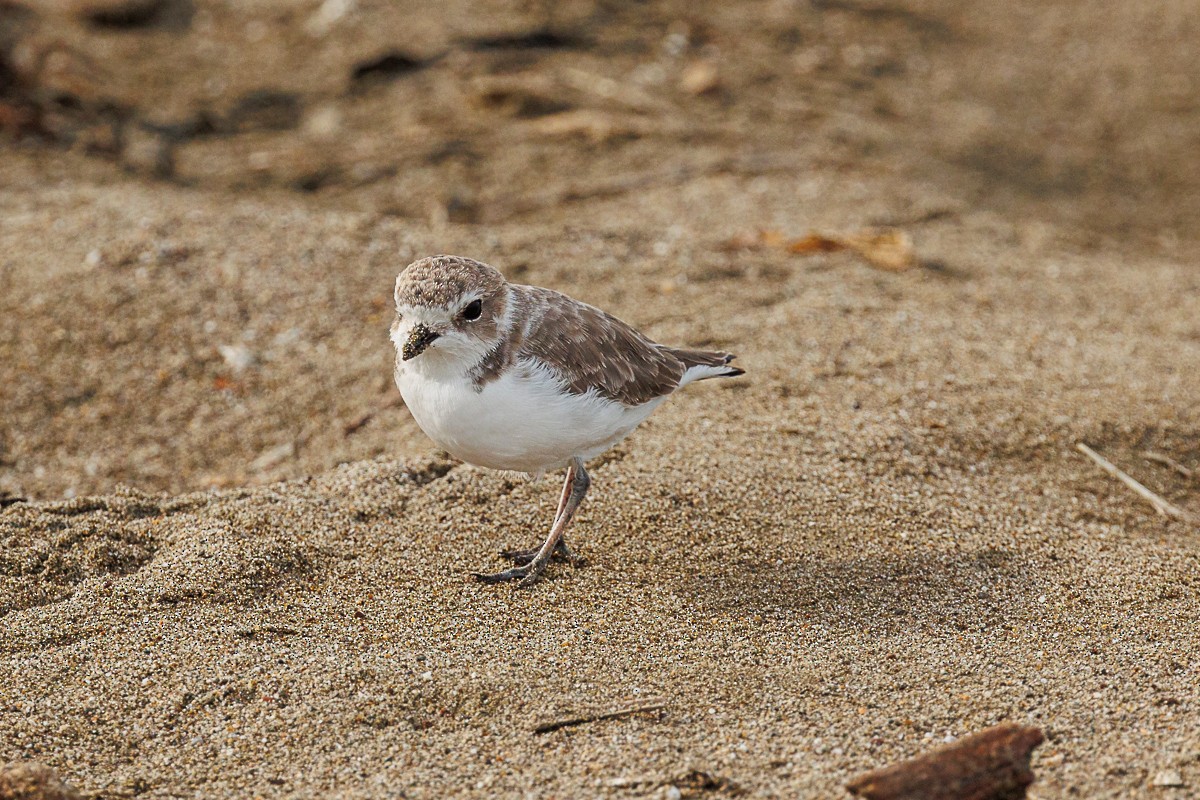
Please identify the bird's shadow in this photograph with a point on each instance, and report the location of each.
(943, 590)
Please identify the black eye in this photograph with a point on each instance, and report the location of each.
(473, 310)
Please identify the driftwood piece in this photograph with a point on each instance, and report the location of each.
(990, 765)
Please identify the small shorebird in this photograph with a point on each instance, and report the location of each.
(522, 378)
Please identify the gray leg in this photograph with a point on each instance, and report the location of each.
(523, 557)
(529, 573)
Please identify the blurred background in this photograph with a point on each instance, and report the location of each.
(477, 111)
(204, 203)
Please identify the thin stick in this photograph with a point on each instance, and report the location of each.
(1167, 461)
(546, 727)
(1160, 505)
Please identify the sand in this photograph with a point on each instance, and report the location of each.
(236, 568)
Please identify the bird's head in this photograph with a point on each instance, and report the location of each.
(448, 309)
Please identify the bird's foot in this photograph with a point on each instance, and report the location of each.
(562, 552)
(527, 574)
(529, 569)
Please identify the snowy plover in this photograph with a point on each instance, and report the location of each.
(521, 378)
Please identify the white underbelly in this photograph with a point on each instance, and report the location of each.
(522, 421)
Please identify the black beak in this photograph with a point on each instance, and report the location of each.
(420, 338)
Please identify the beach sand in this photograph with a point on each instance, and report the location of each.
(232, 566)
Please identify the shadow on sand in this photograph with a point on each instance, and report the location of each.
(944, 591)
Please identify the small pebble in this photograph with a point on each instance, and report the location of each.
(1168, 778)
(237, 357)
(699, 77)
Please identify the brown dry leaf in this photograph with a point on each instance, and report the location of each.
(771, 239)
(815, 243)
(889, 249)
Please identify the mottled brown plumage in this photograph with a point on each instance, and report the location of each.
(440, 280)
(597, 353)
(601, 352)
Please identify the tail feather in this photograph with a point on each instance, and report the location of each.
(700, 365)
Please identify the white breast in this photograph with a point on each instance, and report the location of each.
(523, 421)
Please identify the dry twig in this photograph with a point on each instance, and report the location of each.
(1160, 505)
(553, 725)
(1167, 461)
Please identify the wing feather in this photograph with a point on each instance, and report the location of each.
(592, 350)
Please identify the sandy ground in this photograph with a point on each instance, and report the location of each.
(239, 569)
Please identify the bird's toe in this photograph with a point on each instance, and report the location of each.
(561, 553)
(519, 557)
(501, 577)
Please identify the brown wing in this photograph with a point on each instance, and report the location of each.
(591, 349)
